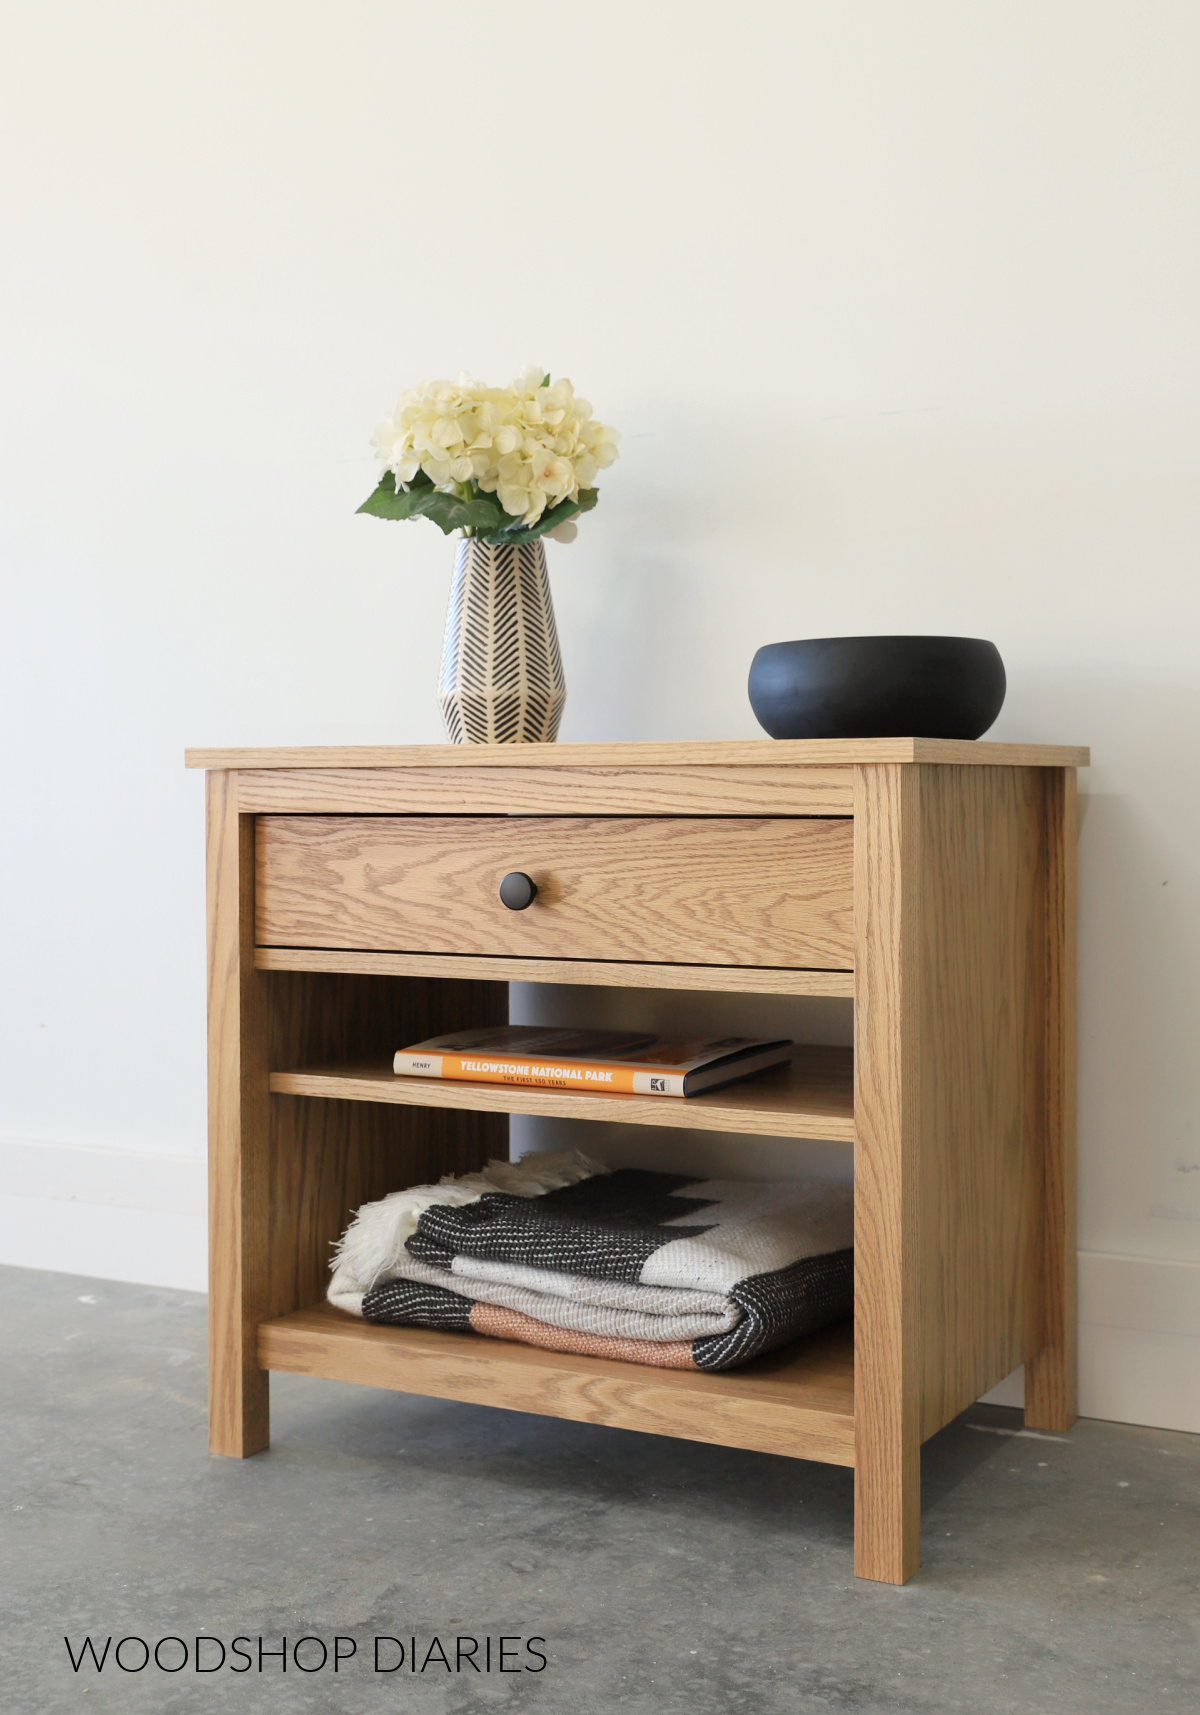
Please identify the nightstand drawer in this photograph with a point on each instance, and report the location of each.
(726, 891)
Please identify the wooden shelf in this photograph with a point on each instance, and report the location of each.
(812, 1098)
(798, 1401)
(607, 973)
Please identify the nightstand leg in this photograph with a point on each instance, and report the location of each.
(887, 1505)
(887, 1474)
(1050, 1374)
(238, 1142)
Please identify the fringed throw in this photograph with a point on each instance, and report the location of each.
(654, 1268)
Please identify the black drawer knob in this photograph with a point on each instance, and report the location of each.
(517, 891)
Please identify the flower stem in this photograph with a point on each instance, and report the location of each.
(465, 492)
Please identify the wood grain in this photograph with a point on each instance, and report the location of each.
(963, 1107)
(285, 1176)
(947, 908)
(798, 1402)
(699, 791)
(752, 753)
(238, 1162)
(887, 1065)
(813, 1098)
(1051, 1371)
(726, 979)
(725, 891)
(329, 1157)
(981, 1033)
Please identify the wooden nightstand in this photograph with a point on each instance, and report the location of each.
(353, 907)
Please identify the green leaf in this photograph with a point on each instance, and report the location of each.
(422, 500)
(449, 512)
(483, 514)
(486, 514)
(550, 520)
(388, 502)
(546, 379)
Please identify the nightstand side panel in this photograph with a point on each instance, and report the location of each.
(985, 845)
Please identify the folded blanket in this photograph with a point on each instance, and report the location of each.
(655, 1268)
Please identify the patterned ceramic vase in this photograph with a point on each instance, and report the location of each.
(502, 679)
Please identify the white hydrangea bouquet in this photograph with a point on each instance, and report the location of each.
(505, 467)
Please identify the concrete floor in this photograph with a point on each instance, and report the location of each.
(1060, 1574)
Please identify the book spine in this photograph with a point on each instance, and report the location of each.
(596, 1078)
(417, 1065)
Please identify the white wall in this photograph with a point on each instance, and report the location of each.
(897, 307)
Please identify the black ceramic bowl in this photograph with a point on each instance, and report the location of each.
(877, 687)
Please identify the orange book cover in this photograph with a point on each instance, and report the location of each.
(596, 1061)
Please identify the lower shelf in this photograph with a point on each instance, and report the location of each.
(799, 1401)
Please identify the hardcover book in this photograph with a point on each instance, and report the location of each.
(598, 1061)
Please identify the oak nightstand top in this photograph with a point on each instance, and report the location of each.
(736, 753)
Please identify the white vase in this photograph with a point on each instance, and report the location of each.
(502, 679)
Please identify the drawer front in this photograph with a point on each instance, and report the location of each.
(726, 891)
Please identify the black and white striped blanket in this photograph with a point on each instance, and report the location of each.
(557, 1251)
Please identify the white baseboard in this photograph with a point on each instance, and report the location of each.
(131, 1215)
(116, 1214)
(1139, 1343)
